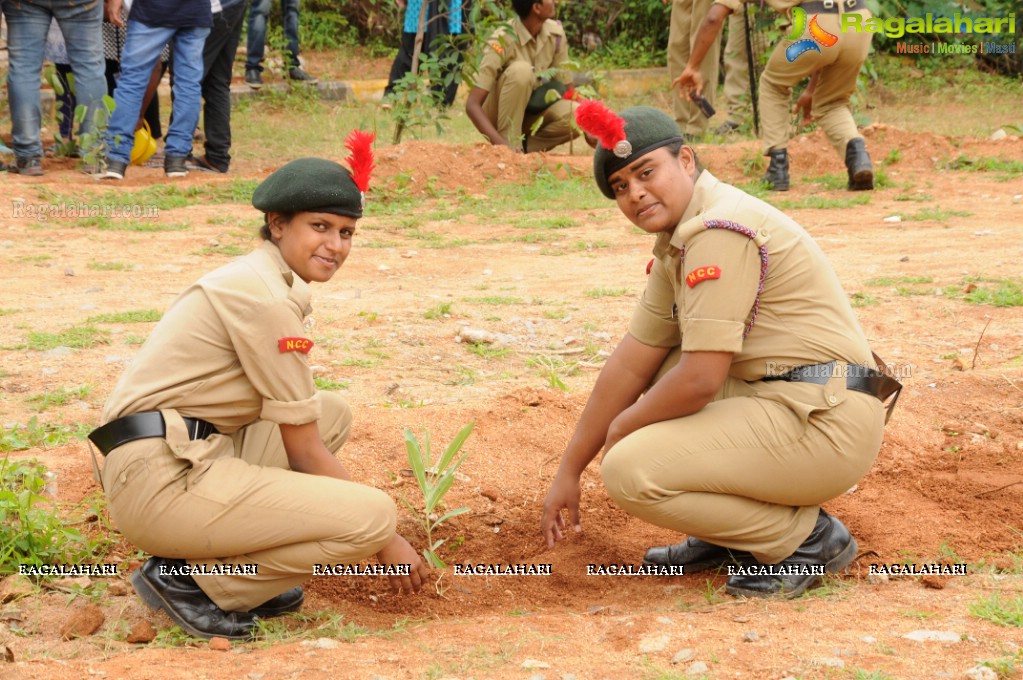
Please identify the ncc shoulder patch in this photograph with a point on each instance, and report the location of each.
(302, 345)
(649, 266)
(702, 274)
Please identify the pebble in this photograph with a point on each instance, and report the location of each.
(981, 673)
(751, 636)
(869, 639)
(999, 134)
(656, 643)
(683, 655)
(58, 351)
(698, 668)
(86, 620)
(533, 664)
(893, 219)
(489, 492)
(933, 636)
(141, 632)
(829, 662)
(117, 589)
(475, 335)
(664, 620)
(877, 579)
(219, 644)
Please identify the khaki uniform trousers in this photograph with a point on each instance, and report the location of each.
(505, 106)
(745, 472)
(686, 17)
(839, 66)
(737, 94)
(231, 499)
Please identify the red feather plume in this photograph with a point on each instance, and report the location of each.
(360, 144)
(601, 122)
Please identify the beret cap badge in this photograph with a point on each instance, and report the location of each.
(623, 149)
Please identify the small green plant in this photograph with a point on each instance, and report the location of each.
(34, 434)
(605, 292)
(330, 385)
(438, 311)
(485, 351)
(434, 481)
(1007, 612)
(78, 337)
(32, 532)
(862, 300)
(111, 266)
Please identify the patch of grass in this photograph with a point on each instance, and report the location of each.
(1007, 612)
(9, 311)
(575, 192)
(553, 368)
(823, 202)
(132, 339)
(896, 280)
(466, 376)
(103, 223)
(299, 625)
(224, 249)
(937, 215)
(860, 674)
(35, 434)
(1006, 666)
(111, 266)
(1005, 292)
(134, 316)
(530, 238)
(77, 337)
(438, 311)
(917, 614)
(330, 385)
(61, 397)
(482, 349)
(552, 222)
(496, 300)
(605, 292)
(862, 300)
(359, 363)
(918, 198)
(986, 164)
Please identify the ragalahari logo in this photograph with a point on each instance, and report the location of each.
(818, 36)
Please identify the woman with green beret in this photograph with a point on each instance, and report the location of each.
(220, 452)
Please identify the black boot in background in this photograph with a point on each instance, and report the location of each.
(861, 170)
(778, 171)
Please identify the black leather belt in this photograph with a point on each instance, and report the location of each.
(858, 378)
(143, 425)
(829, 6)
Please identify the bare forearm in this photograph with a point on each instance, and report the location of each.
(307, 453)
(709, 33)
(474, 110)
(627, 373)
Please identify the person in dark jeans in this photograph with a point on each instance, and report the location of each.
(257, 42)
(217, 61)
(443, 19)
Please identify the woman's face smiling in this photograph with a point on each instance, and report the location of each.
(654, 190)
(313, 244)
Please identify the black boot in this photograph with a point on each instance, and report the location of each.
(695, 555)
(828, 549)
(778, 171)
(857, 161)
(188, 606)
(288, 601)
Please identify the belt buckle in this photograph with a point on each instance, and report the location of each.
(828, 4)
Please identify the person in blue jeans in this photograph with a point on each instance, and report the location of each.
(257, 42)
(27, 24)
(151, 25)
(443, 18)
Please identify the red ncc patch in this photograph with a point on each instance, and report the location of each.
(702, 274)
(294, 345)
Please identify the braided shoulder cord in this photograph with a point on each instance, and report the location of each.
(749, 233)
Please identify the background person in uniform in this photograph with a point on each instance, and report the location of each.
(219, 449)
(686, 16)
(835, 67)
(509, 76)
(725, 445)
(736, 65)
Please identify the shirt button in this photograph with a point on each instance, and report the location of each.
(832, 399)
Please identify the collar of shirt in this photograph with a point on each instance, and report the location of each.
(301, 293)
(669, 243)
(523, 34)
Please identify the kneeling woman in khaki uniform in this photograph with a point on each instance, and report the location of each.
(219, 449)
(766, 401)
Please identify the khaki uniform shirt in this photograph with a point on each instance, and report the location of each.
(703, 284)
(548, 49)
(231, 350)
(782, 6)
